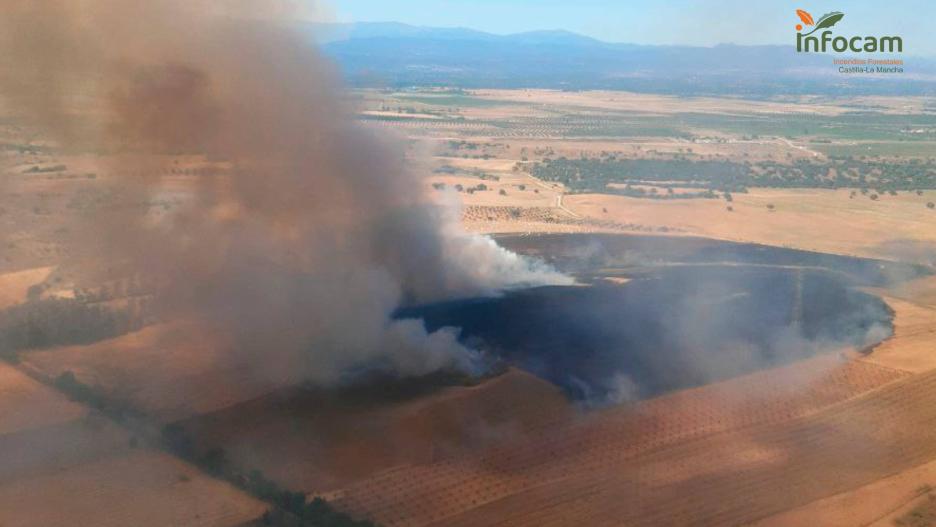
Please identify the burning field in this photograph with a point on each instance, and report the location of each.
(302, 233)
(225, 300)
(672, 325)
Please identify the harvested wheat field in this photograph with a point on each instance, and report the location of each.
(898, 228)
(120, 488)
(557, 473)
(319, 442)
(54, 450)
(912, 348)
(878, 504)
(169, 371)
(15, 285)
(26, 404)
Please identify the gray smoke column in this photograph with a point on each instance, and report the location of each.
(298, 251)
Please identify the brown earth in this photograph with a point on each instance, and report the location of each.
(915, 331)
(170, 371)
(819, 220)
(15, 285)
(26, 404)
(729, 453)
(877, 504)
(317, 442)
(63, 465)
(557, 475)
(130, 487)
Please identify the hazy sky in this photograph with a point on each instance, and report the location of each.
(693, 22)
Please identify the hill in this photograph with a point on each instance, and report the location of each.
(395, 55)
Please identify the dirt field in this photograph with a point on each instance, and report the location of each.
(877, 504)
(26, 404)
(840, 439)
(556, 476)
(813, 438)
(915, 329)
(836, 223)
(15, 285)
(61, 464)
(640, 102)
(313, 442)
(129, 487)
(169, 371)
(893, 228)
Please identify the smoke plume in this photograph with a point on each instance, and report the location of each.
(303, 234)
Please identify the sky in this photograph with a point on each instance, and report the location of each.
(682, 22)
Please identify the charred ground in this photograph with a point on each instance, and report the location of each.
(688, 313)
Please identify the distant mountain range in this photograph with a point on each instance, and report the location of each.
(398, 55)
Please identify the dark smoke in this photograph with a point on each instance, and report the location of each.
(314, 231)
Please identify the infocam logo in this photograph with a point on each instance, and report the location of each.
(825, 42)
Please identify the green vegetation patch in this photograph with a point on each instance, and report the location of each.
(711, 176)
(854, 126)
(878, 149)
(456, 100)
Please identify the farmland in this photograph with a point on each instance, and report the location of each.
(184, 433)
(53, 450)
(848, 177)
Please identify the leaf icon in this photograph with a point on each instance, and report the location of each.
(826, 21)
(805, 17)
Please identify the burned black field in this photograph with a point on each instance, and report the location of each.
(679, 313)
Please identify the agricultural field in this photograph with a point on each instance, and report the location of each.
(54, 450)
(14, 286)
(26, 404)
(120, 488)
(188, 435)
(657, 448)
(168, 371)
(861, 172)
(848, 177)
(823, 427)
(320, 442)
